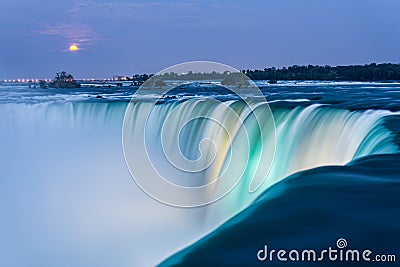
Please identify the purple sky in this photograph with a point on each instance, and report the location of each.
(127, 37)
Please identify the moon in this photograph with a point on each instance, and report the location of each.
(73, 48)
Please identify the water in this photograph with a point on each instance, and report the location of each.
(351, 95)
(311, 210)
(67, 197)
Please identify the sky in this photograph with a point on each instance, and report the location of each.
(127, 37)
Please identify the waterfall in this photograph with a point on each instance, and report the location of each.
(194, 143)
(64, 183)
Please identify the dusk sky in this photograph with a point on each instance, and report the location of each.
(126, 37)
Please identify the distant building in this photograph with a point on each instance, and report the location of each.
(119, 78)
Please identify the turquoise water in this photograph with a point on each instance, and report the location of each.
(311, 210)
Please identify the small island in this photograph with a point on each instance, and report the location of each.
(62, 80)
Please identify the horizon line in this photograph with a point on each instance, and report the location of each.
(27, 80)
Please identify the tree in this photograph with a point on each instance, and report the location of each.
(64, 80)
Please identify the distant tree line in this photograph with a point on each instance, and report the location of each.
(139, 78)
(371, 72)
